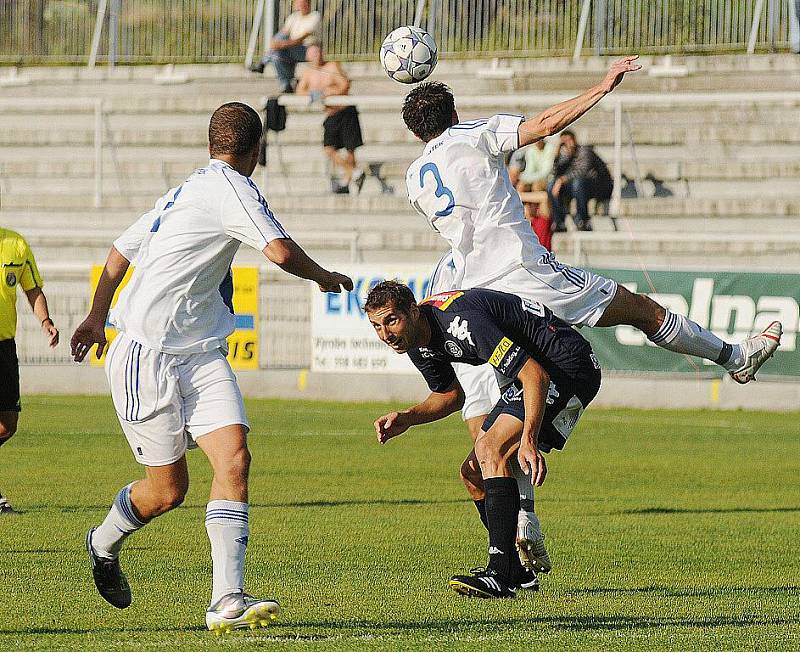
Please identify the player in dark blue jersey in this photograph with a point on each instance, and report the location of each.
(548, 374)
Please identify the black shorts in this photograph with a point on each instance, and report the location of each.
(342, 130)
(566, 401)
(9, 377)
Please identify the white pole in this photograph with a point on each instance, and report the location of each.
(616, 197)
(98, 30)
(751, 44)
(581, 30)
(251, 43)
(98, 153)
(418, 13)
(269, 24)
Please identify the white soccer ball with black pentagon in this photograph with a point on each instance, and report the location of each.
(409, 54)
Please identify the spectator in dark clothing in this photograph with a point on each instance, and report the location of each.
(579, 174)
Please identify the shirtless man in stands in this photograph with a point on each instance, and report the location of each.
(341, 129)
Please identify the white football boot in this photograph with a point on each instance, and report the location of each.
(240, 611)
(757, 350)
(530, 544)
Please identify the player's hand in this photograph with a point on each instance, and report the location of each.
(618, 69)
(336, 282)
(390, 425)
(91, 331)
(50, 332)
(532, 461)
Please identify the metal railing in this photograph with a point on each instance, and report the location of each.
(93, 105)
(182, 31)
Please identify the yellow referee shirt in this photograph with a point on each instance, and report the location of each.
(19, 268)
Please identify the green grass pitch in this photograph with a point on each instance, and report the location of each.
(667, 529)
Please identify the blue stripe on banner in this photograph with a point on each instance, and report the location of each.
(245, 322)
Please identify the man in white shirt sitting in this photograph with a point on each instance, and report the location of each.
(289, 46)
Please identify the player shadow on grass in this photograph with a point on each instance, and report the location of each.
(376, 629)
(575, 623)
(671, 592)
(646, 511)
(361, 502)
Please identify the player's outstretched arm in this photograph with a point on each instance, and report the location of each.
(291, 258)
(437, 406)
(535, 385)
(558, 117)
(93, 329)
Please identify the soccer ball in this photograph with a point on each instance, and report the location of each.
(409, 54)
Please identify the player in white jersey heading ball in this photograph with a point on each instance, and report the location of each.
(171, 383)
(461, 186)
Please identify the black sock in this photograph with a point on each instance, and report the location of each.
(480, 505)
(502, 507)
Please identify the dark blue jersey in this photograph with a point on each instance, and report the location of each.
(478, 326)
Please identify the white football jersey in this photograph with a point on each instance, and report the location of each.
(460, 185)
(182, 252)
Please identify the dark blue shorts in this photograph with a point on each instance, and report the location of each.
(566, 402)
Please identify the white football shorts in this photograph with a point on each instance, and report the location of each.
(480, 387)
(165, 402)
(573, 294)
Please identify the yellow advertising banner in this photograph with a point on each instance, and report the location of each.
(242, 343)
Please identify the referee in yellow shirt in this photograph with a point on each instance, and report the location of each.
(19, 270)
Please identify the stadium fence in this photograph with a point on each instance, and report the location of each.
(209, 31)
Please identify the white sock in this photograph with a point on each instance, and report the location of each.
(120, 523)
(228, 529)
(524, 482)
(682, 335)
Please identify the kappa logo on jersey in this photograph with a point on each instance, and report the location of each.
(533, 307)
(453, 349)
(11, 279)
(499, 351)
(460, 329)
(443, 300)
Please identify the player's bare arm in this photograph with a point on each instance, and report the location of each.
(437, 406)
(92, 330)
(38, 303)
(291, 258)
(560, 116)
(535, 384)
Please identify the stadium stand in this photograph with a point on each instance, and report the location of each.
(728, 166)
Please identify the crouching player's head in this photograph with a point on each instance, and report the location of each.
(393, 312)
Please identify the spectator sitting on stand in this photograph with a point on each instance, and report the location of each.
(289, 46)
(529, 169)
(341, 129)
(581, 174)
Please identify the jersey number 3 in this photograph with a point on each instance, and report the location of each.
(441, 189)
